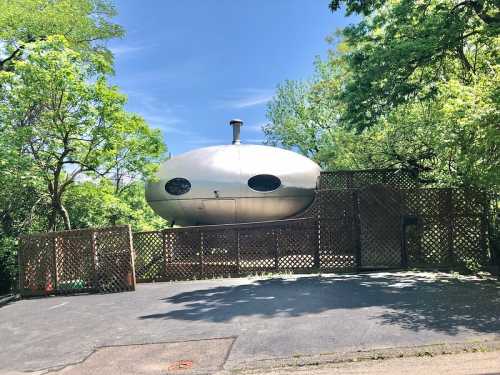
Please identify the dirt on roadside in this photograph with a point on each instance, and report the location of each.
(457, 364)
(472, 358)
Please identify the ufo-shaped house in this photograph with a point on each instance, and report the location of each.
(235, 183)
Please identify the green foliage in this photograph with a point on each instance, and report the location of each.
(85, 24)
(400, 50)
(413, 85)
(93, 205)
(69, 152)
(471, 265)
(8, 264)
(302, 115)
(65, 117)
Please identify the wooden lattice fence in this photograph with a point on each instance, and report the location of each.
(88, 260)
(358, 179)
(375, 227)
(229, 249)
(446, 227)
(380, 226)
(358, 220)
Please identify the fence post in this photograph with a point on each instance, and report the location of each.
(317, 258)
(237, 251)
(356, 228)
(165, 254)
(95, 275)
(20, 261)
(201, 255)
(132, 257)
(276, 249)
(450, 217)
(54, 263)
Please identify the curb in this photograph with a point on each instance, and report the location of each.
(5, 300)
(361, 355)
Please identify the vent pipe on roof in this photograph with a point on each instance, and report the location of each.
(236, 124)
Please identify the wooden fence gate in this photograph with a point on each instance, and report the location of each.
(379, 208)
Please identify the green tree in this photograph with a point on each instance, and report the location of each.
(96, 204)
(63, 130)
(62, 115)
(452, 140)
(415, 86)
(401, 50)
(303, 115)
(86, 25)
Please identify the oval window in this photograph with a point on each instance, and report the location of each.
(178, 186)
(264, 182)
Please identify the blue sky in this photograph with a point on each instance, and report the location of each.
(190, 66)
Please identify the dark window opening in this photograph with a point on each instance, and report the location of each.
(177, 186)
(264, 182)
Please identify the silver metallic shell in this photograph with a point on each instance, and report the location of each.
(219, 191)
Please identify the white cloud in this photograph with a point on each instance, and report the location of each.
(156, 113)
(255, 127)
(246, 98)
(125, 49)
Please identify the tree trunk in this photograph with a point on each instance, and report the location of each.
(52, 219)
(57, 208)
(65, 216)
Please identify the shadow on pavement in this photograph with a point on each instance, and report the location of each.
(414, 301)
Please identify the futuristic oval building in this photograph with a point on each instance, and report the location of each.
(233, 184)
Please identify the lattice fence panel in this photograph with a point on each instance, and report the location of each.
(336, 232)
(380, 223)
(37, 271)
(74, 262)
(451, 227)
(428, 238)
(114, 259)
(219, 251)
(337, 250)
(77, 261)
(435, 242)
(298, 246)
(149, 256)
(470, 227)
(184, 251)
(469, 241)
(258, 249)
(360, 179)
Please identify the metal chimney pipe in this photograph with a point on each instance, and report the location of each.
(236, 124)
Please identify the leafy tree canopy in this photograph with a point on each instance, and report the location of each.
(94, 204)
(62, 114)
(70, 155)
(413, 85)
(401, 50)
(85, 24)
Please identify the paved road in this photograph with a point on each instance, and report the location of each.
(257, 318)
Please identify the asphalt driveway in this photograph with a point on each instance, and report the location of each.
(254, 318)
